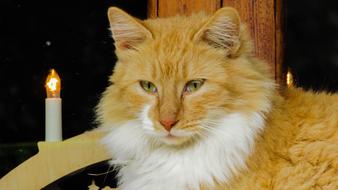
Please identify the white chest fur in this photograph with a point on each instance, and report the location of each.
(217, 157)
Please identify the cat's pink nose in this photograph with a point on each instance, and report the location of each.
(168, 123)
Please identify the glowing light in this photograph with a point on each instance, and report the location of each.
(53, 85)
(289, 79)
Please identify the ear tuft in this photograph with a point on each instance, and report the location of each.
(127, 31)
(222, 30)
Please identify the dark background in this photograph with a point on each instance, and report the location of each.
(70, 36)
(311, 43)
(73, 37)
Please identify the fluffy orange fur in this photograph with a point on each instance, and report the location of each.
(298, 147)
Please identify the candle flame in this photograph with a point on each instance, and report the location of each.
(289, 79)
(53, 84)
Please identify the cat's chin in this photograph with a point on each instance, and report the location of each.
(174, 140)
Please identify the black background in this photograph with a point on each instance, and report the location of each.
(311, 37)
(70, 36)
(73, 37)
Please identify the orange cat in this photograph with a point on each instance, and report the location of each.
(191, 108)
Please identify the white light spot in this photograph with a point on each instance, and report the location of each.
(48, 43)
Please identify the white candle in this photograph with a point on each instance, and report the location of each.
(53, 112)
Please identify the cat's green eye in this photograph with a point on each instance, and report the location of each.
(148, 86)
(193, 85)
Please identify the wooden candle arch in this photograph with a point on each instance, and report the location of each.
(57, 159)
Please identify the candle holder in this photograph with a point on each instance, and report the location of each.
(55, 160)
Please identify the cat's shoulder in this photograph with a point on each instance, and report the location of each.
(304, 119)
(310, 102)
(313, 112)
(312, 120)
(312, 124)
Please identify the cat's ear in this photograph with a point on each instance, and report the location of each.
(127, 31)
(222, 30)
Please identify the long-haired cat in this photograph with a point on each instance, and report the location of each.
(190, 107)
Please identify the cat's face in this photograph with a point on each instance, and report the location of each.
(179, 80)
(173, 95)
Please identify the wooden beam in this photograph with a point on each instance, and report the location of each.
(279, 21)
(167, 8)
(259, 16)
(152, 8)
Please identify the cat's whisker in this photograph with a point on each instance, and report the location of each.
(202, 134)
(211, 129)
(208, 129)
(110, 169)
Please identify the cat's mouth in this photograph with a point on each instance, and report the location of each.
(176, 137)
(172, 137)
